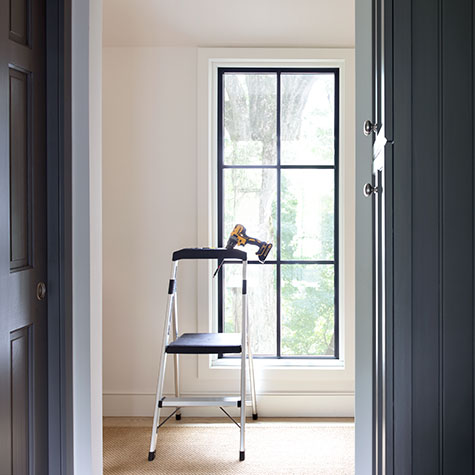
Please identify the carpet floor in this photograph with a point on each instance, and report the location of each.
(319, 448)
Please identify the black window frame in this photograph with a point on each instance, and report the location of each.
(221, 71)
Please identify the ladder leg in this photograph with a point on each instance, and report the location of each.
(243, 403)
(244, 335)
(176, 361)
(163, 362)
(252, 379)
(251, 372)
(156, 414)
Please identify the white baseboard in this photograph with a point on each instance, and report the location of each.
(269, 405)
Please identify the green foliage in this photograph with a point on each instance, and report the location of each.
(307, 309)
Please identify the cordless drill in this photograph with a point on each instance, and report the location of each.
(239, 237)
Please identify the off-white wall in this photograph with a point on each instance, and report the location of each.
(150, 169)
(149, 193)
(247, 23)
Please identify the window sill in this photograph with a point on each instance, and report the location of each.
(330, 364)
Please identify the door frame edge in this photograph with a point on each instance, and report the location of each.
(364, 452)
(59, 232)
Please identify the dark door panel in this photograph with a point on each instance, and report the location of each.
(430, 240)
(23, 317)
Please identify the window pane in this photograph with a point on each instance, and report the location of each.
(250, 199)
(250, 118)
(307, 308)
(307, 214)
(261, 285)
(307, 119)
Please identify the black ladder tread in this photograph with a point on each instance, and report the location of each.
(206, 343)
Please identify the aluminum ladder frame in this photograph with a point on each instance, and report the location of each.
(171, 324)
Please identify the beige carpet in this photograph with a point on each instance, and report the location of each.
(320, 448)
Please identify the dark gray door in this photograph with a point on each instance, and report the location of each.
(23, 324)
(424, 237)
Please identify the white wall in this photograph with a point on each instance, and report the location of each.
(247, 23)
(150, 191)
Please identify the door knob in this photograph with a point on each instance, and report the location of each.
(41, 291)
(369, 189)
(369, 127)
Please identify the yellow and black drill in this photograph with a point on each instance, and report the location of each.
(239, 237)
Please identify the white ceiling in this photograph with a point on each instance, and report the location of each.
(266, 23)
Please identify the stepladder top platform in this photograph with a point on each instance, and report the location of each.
(209, 253)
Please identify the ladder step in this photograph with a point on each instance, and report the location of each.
(200, 401)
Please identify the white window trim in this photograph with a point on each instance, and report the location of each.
(309, 375)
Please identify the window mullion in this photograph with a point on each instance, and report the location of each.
(220, 210)
(278, 276)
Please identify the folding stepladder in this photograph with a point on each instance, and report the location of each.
(204, 343)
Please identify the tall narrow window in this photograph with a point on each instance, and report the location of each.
(278, 176)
